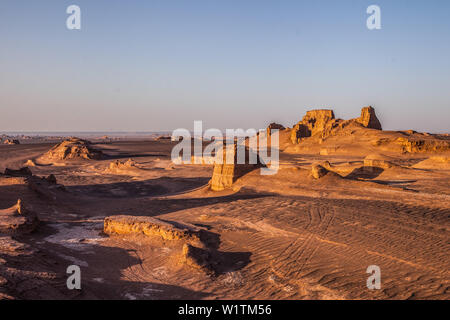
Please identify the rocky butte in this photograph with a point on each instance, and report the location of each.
(322, 123)
(320, 132)
(73, 148)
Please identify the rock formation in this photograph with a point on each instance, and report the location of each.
(163, 138)
(51, 179)
(18, 220)
(151, 227)
(11, 141)
(414, 143)
(196, 258)
(122, 165)
(320, 133)
(322, 124)
(313, 123)
(45, 187)
(30, 163)
(368, 118)
(226, 173)
(197, 243)
(274, 126)
(318, 171)
(73, 148)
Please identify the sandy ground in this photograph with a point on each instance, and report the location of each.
(286, 236)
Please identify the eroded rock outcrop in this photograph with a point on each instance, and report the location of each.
(122, 165)
(130, 163)
(318, 171)
(18, 220)
(164, 138)
(73, 148)
(226, 173)
(51, 179)
(197, 258)
(45, 187)
(322, 124)
(197, 245)
(313, 123)
(151, 227)
(11, 141)
(414, 143)
(274, 126)
(30, 163)
(369, 119)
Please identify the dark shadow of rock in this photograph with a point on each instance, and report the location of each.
(214, 262)
(138, 189)
(126, 155)
(42, 275)
(231, 261)
(365, 173)
(200, 247)
(22, 172)
(155, 207)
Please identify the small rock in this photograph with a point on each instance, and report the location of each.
(318, 171)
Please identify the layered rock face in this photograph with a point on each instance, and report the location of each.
(149, 226)
(318, 171)
(313, 123)
(322, 123)
(317, 120)
(122, 165)
(18, 220)
(73, 148)
(197, 258)
(226, 173)
(414, 143)
(368, 118)
(197, 243)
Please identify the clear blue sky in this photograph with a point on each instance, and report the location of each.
(160, 65)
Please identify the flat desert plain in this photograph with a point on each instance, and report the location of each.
(347, 196)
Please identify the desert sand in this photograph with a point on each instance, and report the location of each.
(347, 195)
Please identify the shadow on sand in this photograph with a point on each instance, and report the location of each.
(42, 275)
(365, 173)
(138, 189)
